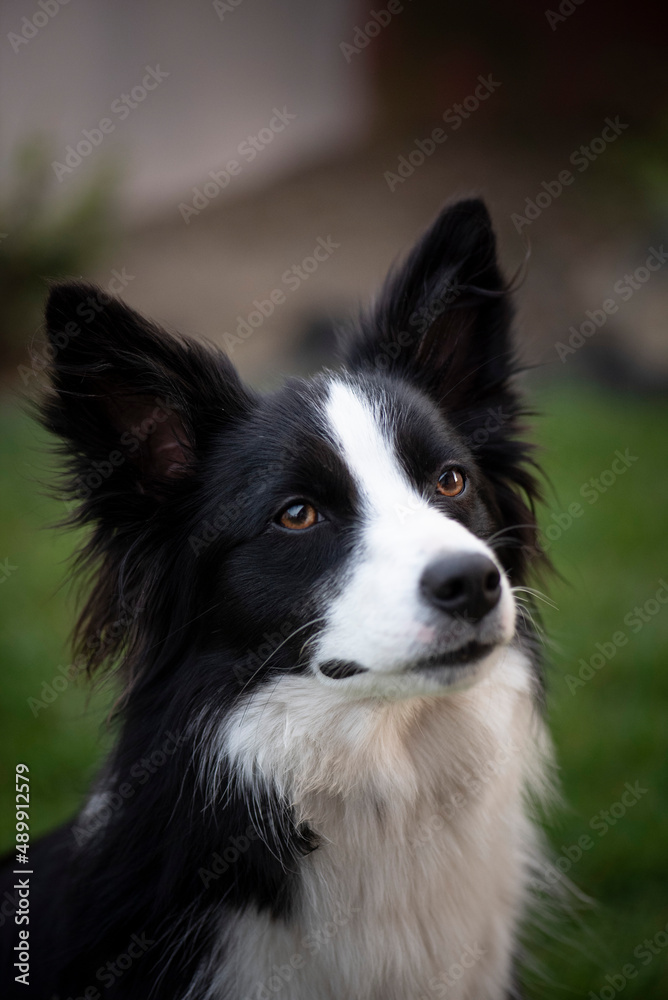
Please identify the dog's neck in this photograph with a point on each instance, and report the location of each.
(424, 846)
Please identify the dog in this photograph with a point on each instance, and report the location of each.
(330, 711)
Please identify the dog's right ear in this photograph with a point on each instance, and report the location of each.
(443, 318)
(133, 405)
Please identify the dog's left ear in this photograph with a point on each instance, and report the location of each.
(443, 317)
(132, 404)
(443, 322)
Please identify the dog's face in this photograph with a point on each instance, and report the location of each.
(363, 527)
(360, 533)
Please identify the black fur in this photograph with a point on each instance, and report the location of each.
(179, 470)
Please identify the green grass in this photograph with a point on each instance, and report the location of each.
(60, 742)
(609, 731)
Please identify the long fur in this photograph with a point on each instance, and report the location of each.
(320, 782)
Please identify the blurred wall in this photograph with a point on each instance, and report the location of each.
(67, 66)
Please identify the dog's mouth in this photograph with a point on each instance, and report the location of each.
(429, 666)
(340, 669)
(470, 652)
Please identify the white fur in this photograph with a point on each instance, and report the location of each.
(378, 618)
(415, 789)
(425, 845)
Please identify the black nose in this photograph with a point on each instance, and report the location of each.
(467, 585)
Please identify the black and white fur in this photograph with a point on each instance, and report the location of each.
(343, 810)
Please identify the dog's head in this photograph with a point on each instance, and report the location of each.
(365, 526)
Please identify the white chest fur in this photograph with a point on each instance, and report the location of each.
(419, 881)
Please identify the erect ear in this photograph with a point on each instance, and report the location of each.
(133, 405)
(443, 322)
(443, 316)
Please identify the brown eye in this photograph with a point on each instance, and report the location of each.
(299, 515)
(451, 483)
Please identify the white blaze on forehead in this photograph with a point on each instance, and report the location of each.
(360, 429)
(379, 619)
(357, 426)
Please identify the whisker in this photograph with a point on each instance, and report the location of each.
(510, 527)
(273, 652)
(181, 627)
(537, 594)
(526, 614)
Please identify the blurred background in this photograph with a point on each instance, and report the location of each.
(191, 156)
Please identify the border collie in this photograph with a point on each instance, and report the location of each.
(329, 725)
